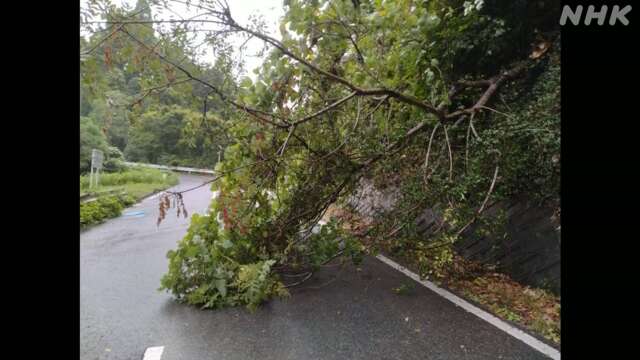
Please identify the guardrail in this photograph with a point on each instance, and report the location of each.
(173, 168)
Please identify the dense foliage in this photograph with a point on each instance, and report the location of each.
(519, 142)
(129, 186)
(103, 208)
(455, 102)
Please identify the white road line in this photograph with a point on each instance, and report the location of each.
(153, 353)
(491, 319)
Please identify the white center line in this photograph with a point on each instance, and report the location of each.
(491, 319)
(153, 353)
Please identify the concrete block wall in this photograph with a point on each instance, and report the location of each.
(530, 254)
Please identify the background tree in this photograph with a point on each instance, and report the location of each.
(90, 138)
(122, 88)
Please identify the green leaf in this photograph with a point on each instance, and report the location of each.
(226, 244)
(192, 251)
(221, 286)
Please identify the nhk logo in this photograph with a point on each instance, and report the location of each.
(616, 14)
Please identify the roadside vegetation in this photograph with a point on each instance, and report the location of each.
(103, 208)
(535, 309)
(118, 190)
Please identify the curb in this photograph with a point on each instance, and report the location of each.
(506, 326)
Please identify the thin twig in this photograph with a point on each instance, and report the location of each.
(284, 146)
(484, 203)
(324, 110)
(497, 112)
(251, 111)
(319, 286)
(159, 87)
(346, 138)
(446, 136)
(473, 128)
(301, 281)
(466, 149)
(426, 159)
(220, 175)
(102, 40)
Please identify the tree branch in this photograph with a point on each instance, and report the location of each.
(251, 111)
(492, 85)
(324, 110)
(408, 99)
(159, 87)
(102, 40)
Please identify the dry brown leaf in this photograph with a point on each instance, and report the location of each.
(540, 50)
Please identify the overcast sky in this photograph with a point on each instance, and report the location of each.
(270, 10)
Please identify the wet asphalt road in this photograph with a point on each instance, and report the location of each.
(342, 313)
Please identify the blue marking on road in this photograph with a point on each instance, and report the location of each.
(134, 213)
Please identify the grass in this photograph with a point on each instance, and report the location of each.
(138, 191)
(136, 179)
(119, 190)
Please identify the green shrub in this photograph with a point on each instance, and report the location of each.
(114, 165)
(103, 208)
(114, 153)
(137, 181)
(114, 160)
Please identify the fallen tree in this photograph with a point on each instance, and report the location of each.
(350, 90)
